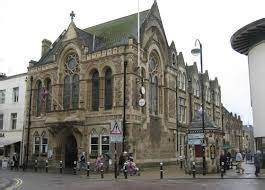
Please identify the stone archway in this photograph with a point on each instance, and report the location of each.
(71, 151)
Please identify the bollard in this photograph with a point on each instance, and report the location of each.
(61, 167)
(46, 166)
(181, 164)
(36, 165)
(101, 170)
(88, 169)
(74, 167)
(23, 167)
(125, 171)
(193, 170)
(161, 170)
(222, 170)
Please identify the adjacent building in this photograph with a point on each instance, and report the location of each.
(249, 40)
(248, 145)
(233, 134)
(12, 104)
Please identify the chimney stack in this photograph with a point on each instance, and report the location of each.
(46, 45)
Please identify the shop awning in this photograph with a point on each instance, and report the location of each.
(8, 141)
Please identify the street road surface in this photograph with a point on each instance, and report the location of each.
(42, 181)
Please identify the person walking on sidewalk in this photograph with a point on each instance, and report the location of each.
(239, 160)
(82, 161)
(257, 162)
(15, 161)
(223, 159)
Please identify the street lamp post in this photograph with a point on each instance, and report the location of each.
(124, 106)
(29, 122)
(177, 119)
(197, 51)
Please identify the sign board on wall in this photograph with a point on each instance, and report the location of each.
(195, 141)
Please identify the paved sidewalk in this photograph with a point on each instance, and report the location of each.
(170, 172)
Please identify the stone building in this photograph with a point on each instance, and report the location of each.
(232, 127)
(248, 139)
(78, 90)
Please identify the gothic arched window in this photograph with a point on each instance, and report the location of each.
(95, 91)
(71, 82)
(153, 87)
(183, 82)
(66, 92)
(174, 59)
(38, 98)
(48, 96)
(75, 91)
(108, 89)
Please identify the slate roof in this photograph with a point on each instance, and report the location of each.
(110, 34)
(117, 32)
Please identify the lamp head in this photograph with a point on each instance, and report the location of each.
(196, 51)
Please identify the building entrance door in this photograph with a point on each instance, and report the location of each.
(70, 151)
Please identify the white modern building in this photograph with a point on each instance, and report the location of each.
(12, 104)
(250, 41)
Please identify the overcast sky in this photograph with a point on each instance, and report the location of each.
(23, 24)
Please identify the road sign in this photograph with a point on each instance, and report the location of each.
(195, 141)
(116, 131)
(115, 128)
(115, 138)
(195, 136)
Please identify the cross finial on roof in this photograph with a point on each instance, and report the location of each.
(72, 15)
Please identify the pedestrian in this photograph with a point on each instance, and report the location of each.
(15, 161)
(223, 159)
(99, 163)
(239, 160)
(122, 160)
(82, 161)
(228, 158)
(257, 162)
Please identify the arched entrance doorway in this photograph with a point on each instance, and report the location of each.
(70, 151)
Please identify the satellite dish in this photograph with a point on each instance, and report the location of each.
(142, 90)
(141, 102)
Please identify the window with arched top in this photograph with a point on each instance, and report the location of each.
(104, 141)
(71, 82)
(183, 81)
(108, 89)
(153, 86)
(75, 91)
(38, 98)
(174, 59)
(36, 143)
(66, 92)
(44, 143)
(48, 95)
(94, 143)
(95, 90)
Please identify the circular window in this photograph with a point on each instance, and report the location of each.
(71, 64)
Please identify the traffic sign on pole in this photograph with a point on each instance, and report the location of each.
(116, 131)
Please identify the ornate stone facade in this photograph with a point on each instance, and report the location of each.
(152, 134)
